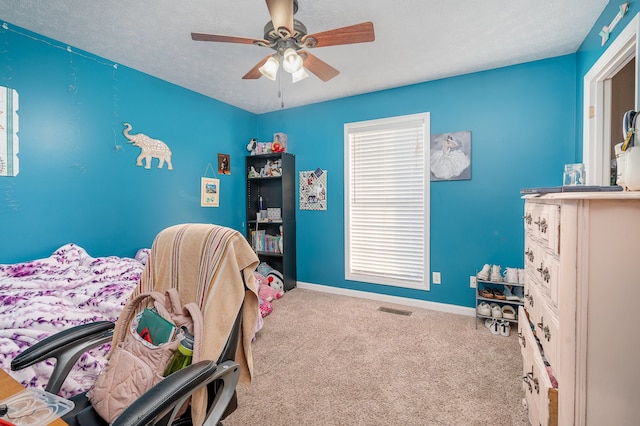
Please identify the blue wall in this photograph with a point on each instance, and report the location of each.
(74, 186)
(522, 121)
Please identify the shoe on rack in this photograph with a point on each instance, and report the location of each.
(487, 293)
(508, 312)
(519, 293)
(484, 273)
(495, 327)
(496, 275)
(508, 293)
(489, 322)
(498, 294)
(496, 311)
(505, 328)
(511, 275)
(484, 309)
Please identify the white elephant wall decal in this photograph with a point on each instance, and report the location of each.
(149, 147)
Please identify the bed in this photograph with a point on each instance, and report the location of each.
(41, 297)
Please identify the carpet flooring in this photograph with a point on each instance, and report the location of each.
(327, 359)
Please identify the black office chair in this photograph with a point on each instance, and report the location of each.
(162, 403)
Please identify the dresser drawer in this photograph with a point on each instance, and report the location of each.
(542, 223)
(546, 277)
(547, 330)
(541, 397)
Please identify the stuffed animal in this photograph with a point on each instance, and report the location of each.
(252, 146)
(263, 269)
(265, 309)
(273, 276)
(265, 291)
(275, 279)
(269, 293)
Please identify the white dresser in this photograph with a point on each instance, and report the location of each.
(582, 299)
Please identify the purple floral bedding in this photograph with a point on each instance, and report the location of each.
(41, 297)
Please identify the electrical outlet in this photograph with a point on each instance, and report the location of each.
(473, 283)
(436, 277)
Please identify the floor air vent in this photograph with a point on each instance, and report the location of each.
(394, 311)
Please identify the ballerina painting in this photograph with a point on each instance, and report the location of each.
(451, 156)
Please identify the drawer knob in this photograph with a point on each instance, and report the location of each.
(546, 276)
(525, 379)
(529, 254)
(545, 329)
(528, 379)
(542, 225)
(528, 218)
(544, 272)
(529, 297)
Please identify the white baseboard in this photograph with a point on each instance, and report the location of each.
(424, 304)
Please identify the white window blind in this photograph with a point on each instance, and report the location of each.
(387, 201)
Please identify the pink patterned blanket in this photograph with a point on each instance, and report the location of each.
(44, 296)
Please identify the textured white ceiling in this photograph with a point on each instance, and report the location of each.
(416, 40)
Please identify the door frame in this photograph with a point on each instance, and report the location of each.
(596, 145)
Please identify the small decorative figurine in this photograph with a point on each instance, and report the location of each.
(251, 147)
(253, 173)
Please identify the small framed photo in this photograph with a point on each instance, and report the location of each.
(209, 192)
(224, 164)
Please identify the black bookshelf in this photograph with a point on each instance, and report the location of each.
(276, 186)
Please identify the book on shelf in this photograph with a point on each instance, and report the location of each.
(263, 242)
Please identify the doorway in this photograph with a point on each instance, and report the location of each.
(610, 89)
(623, 85)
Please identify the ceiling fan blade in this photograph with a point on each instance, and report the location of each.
(254, 73)
(358, 33)
(281, 12)
(324, 71)
(225, 39)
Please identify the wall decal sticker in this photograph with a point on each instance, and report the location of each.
(150, 148)
(9, 146)
(607, 29)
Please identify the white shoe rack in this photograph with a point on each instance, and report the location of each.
(499, 285)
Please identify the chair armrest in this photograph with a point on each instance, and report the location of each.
(169, 395)
(66, 347)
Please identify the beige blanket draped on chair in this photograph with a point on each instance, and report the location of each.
(204, 263)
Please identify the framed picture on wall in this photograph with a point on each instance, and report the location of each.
(209, 192)
(451, 156)
(224, 164)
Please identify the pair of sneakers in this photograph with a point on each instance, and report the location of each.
(496, 311)
(498, 327)
(490, 273)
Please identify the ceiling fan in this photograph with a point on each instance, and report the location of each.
(288, 36)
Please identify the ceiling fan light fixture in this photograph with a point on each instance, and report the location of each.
(292, 62)
(270, 68)
(299, 75)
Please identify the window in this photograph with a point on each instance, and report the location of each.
(387, 201)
